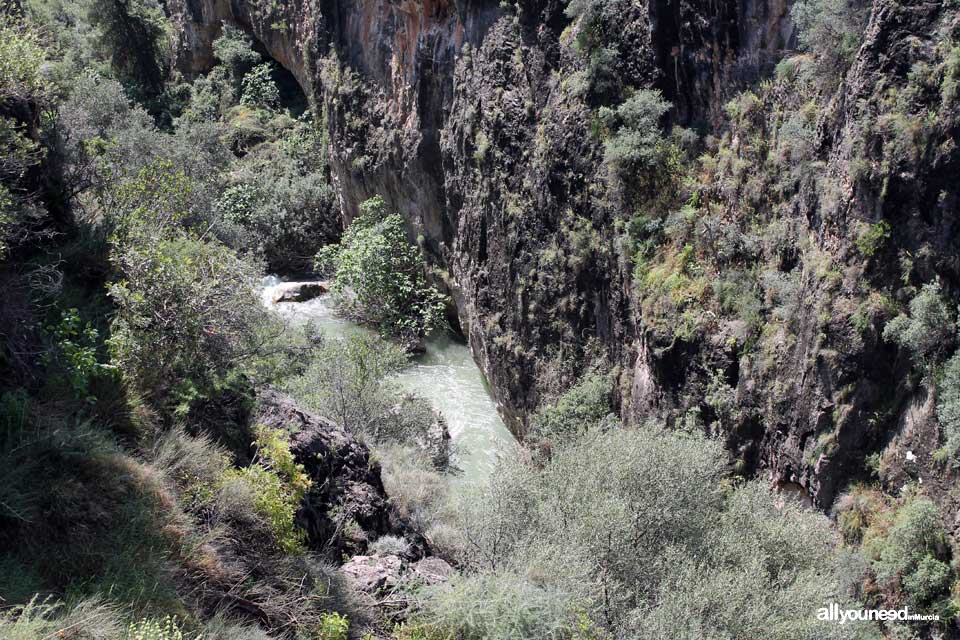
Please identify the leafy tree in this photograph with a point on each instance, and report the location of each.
(259, 89)
(379, 276)
(135, 35)
(830, 29)
(186, 308)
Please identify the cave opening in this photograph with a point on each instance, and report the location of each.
(292, 96)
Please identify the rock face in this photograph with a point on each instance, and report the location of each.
(346, 507)
(477, 120)
(470, 131)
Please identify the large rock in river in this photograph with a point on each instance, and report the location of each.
(298, 291)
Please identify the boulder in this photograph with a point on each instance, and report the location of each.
(372, 574)
(376, 574)
(346, 506)
(298, 291)
(431, 570)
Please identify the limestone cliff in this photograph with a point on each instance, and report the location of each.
(477, 122)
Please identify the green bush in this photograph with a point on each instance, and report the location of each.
(500, 606)
(278, 485)
(631, 526)
(154, 629)
(870, 237)
(580, 408)
(74, 357)
(347, 381)
(928, 328)
(379, 276)
(948, 404)
(637, 143)
(830, 29)
(234, 51)
(259, 89)
(88, 619)
(333, 626)
(186, 310)
(912, 551)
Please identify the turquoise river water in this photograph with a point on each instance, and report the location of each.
(446, 375)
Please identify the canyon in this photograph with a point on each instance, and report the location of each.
(464, 117)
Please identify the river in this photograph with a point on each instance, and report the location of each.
(445, 374)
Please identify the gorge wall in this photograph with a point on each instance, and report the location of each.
(477, 121)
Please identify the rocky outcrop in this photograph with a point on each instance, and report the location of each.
(346, 507)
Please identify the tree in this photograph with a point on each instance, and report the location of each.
(186, 309)
(379, 276)
(134, 34)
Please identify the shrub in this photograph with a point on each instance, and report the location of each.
(153, 629)
(186, 313)
(830, 29)
(870, 237)
(912, 550)
(420, 493)
(500, 606)
(577, 410)
(281, 204)
(390, 546)
(948, 404)
(75, 352)
(595, 530)
(333, 626)
(637, 144)
(379, 277)
(22, 55)
(779, 554)
(88, 619)
(347, 382)
(928, 328)
(277, 485)
(234, 50)
(259, 89)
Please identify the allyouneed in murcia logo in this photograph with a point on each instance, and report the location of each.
(835, 613)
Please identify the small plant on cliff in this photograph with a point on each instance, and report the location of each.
(928, 328)
(948, 405)
(637, 142)
(379, 276)
(577, 410)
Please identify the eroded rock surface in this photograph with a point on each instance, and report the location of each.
(347, 506)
